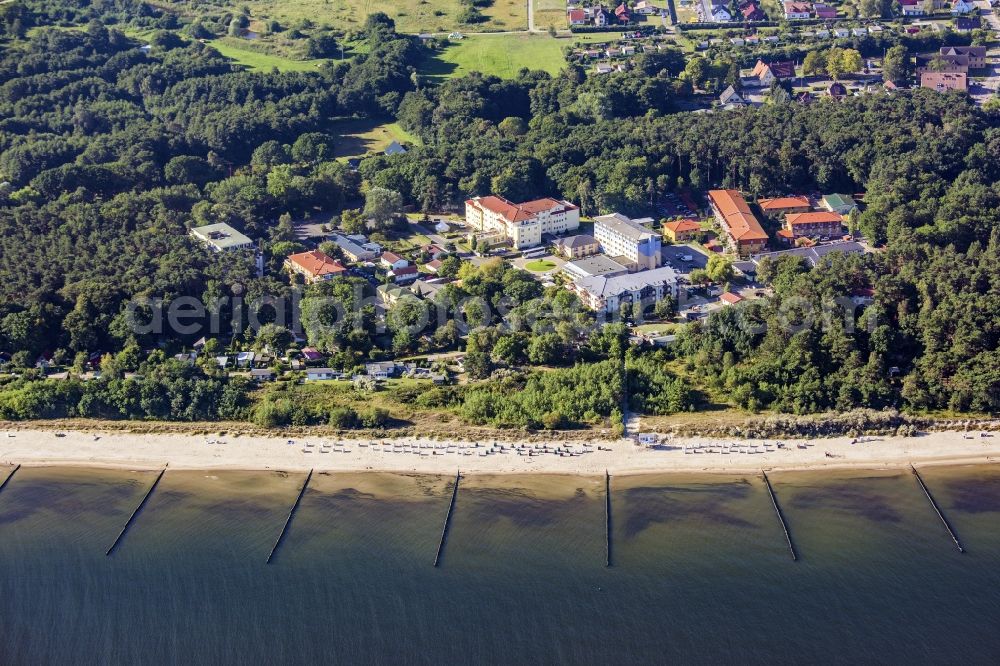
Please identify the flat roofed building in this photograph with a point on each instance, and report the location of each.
(525, 223)
(221, 238)
(607, 294)
(945, 81)
(596, 265)
(740, 227)
(625, 237)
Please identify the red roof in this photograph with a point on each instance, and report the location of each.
(780, 70)
(405, 270)
(743, 226)
(316, 263)
(577, 15)
(680, 226)
(621, 10)
(391, 257)
(781, 203)
(730, 298)
(518, 212)
(817, 217)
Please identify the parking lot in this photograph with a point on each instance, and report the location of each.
(674, 255)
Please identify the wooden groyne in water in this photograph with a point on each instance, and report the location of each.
(781, 516)
(937, 510)
(607, 519)
(138, 508)
(9, 477)
(288, 520)
(447, 519)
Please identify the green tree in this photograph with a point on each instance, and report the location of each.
(382, 204)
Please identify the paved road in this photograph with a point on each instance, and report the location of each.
(991, 83)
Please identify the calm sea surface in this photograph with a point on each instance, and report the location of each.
(701, 571)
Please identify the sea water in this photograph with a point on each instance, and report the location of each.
(700, 569)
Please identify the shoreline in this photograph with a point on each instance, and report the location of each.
(115, 450)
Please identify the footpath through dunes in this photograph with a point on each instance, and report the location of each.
(254, 452)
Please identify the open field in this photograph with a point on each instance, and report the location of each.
(359, 137)
(500, 55)
(550, 13)
(410, 15)
(230, 48)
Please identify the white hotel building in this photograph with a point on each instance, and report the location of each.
(523, 224)
(620, 236)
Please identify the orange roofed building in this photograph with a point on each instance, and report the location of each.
(523, 224)
(812, 225)
(740, 227)
(314, 266)
(784, 205)
(679, 231)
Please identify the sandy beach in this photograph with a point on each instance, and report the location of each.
(231, 451)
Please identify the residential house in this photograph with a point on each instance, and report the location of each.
(823, 34)
(311, 355)
(603, 68)
(729, 298)
(752, 12)
(574, 247)
(681, 231)
(245, 359)
(646, 8)
(221, 237)
(321, 374)
(767, 73)
(912, 7)
(622, 14)
(812, 225)
(737, 41)
(608, 294)
(976, 54)
(576, 16)
(352, 250)
(740, 228)
(389, 294)
(621, 236)
(966, 24)
(261, 375)
(962, 7)
(427, 289)
(945, 81)
(601, 17)
(382, 369)
(842, 204)
(433, 266)
(404, 274)
(797, 10)
(395, 148)
(523, 224)
(730, 97)
(720, 14)
(391, 260)
(824, 11)
(837, 90)
(314, 266)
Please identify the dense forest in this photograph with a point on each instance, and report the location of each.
(109, 152)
